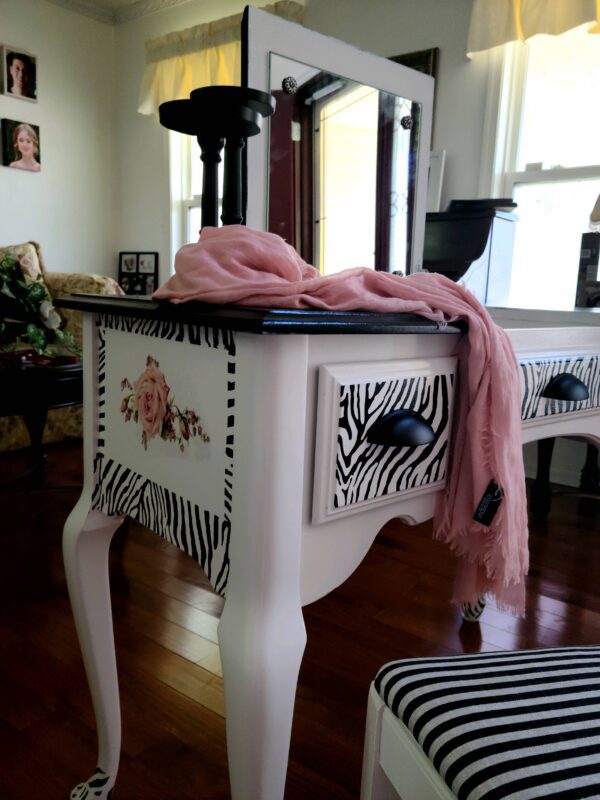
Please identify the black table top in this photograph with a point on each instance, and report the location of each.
(39, 387)
(256, 320)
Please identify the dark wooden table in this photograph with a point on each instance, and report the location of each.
(30, 390)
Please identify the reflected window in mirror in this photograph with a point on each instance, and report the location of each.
(342, 169)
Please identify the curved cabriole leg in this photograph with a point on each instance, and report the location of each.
(261, 650)
(86, 540)
(261, 631)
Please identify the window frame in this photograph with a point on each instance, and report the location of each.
(499, 177)
(183, 200)
(507, 72)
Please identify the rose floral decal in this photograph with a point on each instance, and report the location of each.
(149, 404)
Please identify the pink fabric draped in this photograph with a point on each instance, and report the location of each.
(235, 264)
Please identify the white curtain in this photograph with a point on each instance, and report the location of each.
(495, 22)
(204, 55)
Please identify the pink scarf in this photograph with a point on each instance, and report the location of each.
(235, 264)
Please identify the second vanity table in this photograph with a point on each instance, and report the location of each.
(267, 476)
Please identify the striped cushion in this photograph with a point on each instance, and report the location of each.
(519, 724)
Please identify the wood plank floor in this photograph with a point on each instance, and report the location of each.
(396, 604)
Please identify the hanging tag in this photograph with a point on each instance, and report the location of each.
(489, 504)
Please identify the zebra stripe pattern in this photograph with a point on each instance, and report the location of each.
(537, 374)
(522, 724)
(200, 534)
(472, 611)
(364, 471)
(101, 399)
(170, 330)
(119, 490)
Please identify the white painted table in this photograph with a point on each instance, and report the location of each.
(265, 475)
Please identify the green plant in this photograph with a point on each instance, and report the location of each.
(28, 319)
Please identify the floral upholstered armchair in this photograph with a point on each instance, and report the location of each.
(62, 422)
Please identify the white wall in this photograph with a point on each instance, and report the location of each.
(68, 207)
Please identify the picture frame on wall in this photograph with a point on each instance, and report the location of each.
(138, 272)
(21, 145)
(19, 73)
(425, 61)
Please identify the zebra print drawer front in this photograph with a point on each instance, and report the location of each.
(537, 374)
(352, 473)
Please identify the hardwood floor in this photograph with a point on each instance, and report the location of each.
(396, 604)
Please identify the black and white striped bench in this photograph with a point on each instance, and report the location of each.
(520, 725)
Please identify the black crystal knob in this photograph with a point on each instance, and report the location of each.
(289, 85)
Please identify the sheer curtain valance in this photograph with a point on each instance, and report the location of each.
(203, 55)
(496, 22)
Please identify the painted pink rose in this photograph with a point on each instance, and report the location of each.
(150, 395)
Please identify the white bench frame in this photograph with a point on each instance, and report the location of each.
(394, 766)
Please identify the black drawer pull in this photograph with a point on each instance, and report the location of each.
(566, 387)
(401, 429)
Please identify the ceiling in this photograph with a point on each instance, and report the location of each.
(114, 12)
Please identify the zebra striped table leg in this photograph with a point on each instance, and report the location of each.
(86, 540)
(472, 611)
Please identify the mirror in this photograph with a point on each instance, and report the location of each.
(341, 172)
(342, 157)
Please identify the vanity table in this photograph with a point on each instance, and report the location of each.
(246, 436)
(268, 478)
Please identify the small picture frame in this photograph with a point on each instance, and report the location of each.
(127, 263)
(19, 74)
(138, 272)
(21, 145)
(147, 263)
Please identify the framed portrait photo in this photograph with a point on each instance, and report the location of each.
(19, 74)
(138, 272)
(21, 145)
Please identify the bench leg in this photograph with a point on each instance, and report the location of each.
(375, 784)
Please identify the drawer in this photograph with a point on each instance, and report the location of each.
(406, 404)
(565, 374)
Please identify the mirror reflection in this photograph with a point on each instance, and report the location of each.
(342, 172)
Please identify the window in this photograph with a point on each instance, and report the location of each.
(548, 159)
(186, 190)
